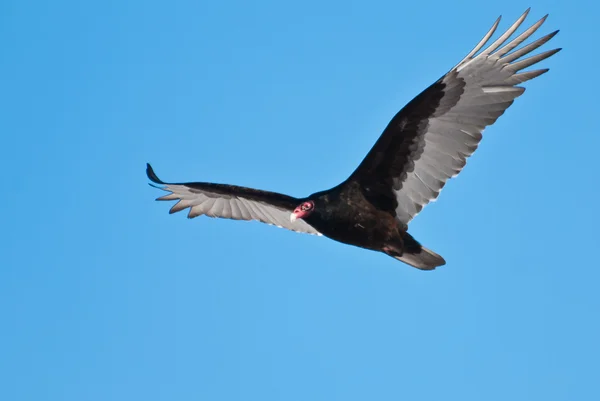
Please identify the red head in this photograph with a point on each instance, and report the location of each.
(302, 210)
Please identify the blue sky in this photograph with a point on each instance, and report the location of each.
(104, 296)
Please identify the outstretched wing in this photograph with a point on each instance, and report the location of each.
(232, 202)
(430, 139)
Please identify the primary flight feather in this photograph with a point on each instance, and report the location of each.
(424, 145)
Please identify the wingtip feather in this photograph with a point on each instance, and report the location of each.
(152, 175)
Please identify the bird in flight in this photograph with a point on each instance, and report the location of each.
(424, 145)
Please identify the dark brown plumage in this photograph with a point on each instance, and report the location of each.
(423, 146)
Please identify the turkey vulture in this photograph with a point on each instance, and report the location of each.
(423, 146)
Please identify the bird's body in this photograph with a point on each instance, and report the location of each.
(345, 215)
(423, 146)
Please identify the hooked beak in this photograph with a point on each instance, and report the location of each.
(299, 214)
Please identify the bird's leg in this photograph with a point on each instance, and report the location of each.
(394, 250)
(395, 245)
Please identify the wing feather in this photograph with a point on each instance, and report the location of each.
(231, 202)
(431, 138)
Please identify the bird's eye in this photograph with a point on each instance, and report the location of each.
(306, 206)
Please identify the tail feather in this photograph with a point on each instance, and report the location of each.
(418, 256)
(425, 259)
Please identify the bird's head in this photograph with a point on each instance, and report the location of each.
(302, 211)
